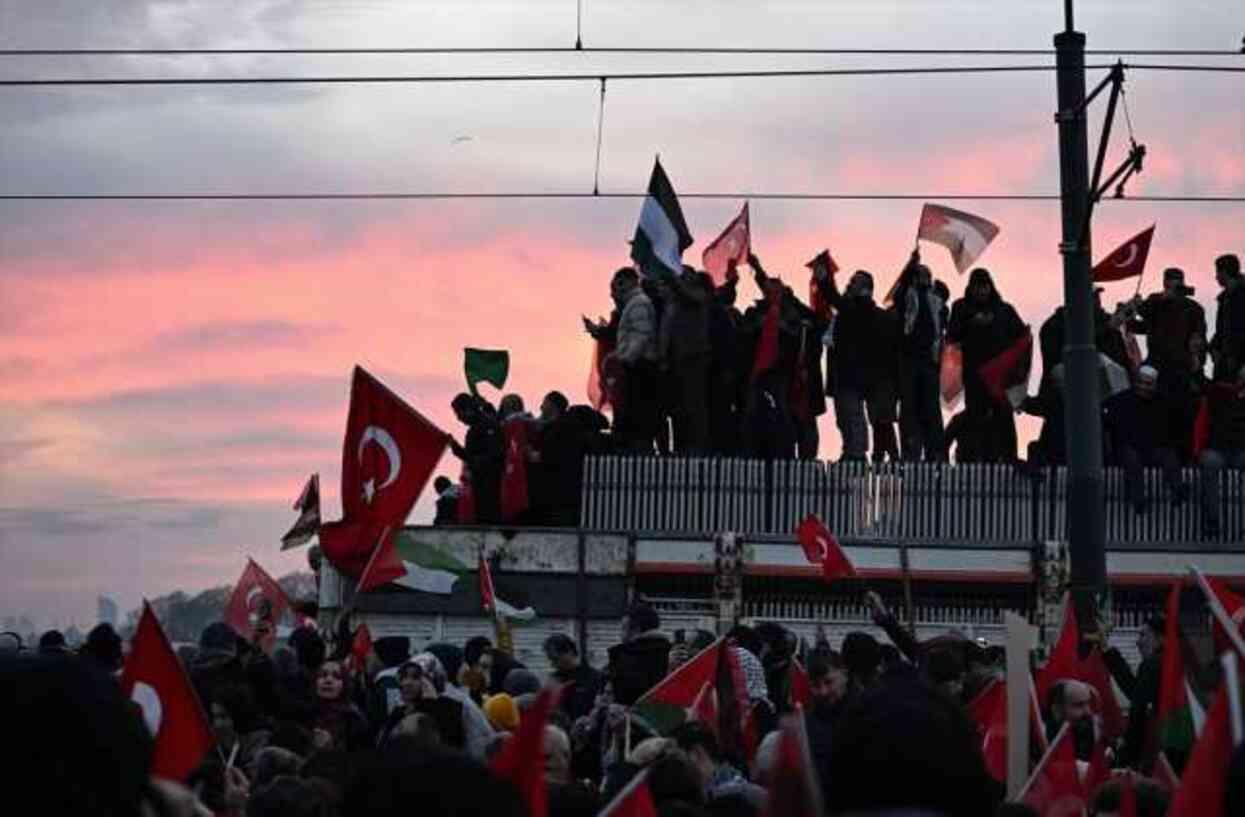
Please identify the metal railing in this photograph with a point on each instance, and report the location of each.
(922, 502)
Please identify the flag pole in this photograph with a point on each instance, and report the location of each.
(1041, 765)
(1220, 614)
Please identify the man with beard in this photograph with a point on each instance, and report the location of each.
(1070, 704)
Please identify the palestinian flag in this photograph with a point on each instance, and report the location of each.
(1006, 376)
(965, 235)
(490, 602)
(710, 685)
(1181, 713)
(1204, 784)
(662, 234)
(429, 568)
(308, 523)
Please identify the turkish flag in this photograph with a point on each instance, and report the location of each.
(819, 304)
(522, 759)
(733, 245)
(155, 680)
(767, 346)
(256, 599)
(1129, 261)
(820, 547)
(514, 493)
(1066, 663)
(390, 451)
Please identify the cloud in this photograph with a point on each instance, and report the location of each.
(13, 450)
(236, 335)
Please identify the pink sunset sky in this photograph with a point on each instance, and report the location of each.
(170, 373)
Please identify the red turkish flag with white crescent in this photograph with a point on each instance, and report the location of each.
(156, 680)
(256, 598)
(820, 547)
(389, 453)
(515, 498)
(1128, 261)
(733, 245)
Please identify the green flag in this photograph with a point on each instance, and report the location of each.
(489, 365)
(428, 567)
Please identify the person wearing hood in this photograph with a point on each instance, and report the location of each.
(477, 732)
(384, 693)
(640, 661)
(985, 326)
(861, 361)
(418, 679)
(922, 323)
(338, 723)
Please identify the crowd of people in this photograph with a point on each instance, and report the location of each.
(687, 373)
(316, 729)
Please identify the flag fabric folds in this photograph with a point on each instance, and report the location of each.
(492, 603)
(308, 523)
(384, 566)
(671, 702)
(1127, 261)
(256, 598)
(1180, 714)
(793, 789)
(1054, 789)
(820, 547)
(1205, 778)
(662, 234)
(965, 235)
(515, 498)
(729, 250)
(1006, 376)
(388, 455)
(635, 800)
(767, 347)
(429, 568)
(600, 392)
(155, 679)
(1066, 663)
(486, 366)
(815, 300)
(522, 758)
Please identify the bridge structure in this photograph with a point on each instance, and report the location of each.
(947, 546)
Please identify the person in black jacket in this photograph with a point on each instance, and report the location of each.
(1228, 345)
(1144, 696)
(581, 683)
(921, 321)
(859, 358)
(1225, 445)
(1139, 425)
(482, 453)
(985, 326)
(637, 664)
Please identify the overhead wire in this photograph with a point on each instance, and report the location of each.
(650, 75)
(673, 50)
(503, 195)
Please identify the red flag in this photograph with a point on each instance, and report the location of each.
(256, 599)
(389, 453)
(1128, 796)
(820, 547)
(767, 346)
(799, 391)
(1006, 376)
(951, 373)
(705, 708)
(635, 800)
(801, 689)
(1179, 715)
(733, 245)
(514, 492)
(1065, 663)
(1128, 261)
(1054, 789)
(384, 566)
(1201, 427)
(360, 647)
(522, 759)
(1099, 770)
(793, 789)
(600, 389)
(488, 599)
(1202, 788)
(155, 679)
(989, 711)
(965, 235)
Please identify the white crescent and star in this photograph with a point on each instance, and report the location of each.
(254, 591)
(824, 544)
(148, 700)
(386, 441)
(1132, 256)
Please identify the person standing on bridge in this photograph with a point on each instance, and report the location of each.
(985, 326)
(635, 420)
(922, 323)
(1228, 345)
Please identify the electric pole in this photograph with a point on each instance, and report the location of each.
(1086, 530)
